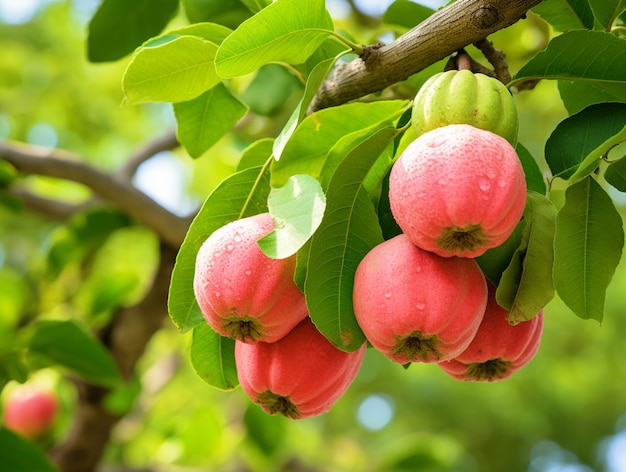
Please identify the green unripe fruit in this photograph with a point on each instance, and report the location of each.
(462, 97)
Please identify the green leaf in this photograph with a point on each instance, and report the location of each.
(297, 209)
(242, 194)
(213, 358)
(270, 90)
(20, 455)
(313, 83)
(205, 119)
(285, 31)
(577, 95)
(495, 260)
(406, 13)
(176, 71)
(83, 234)
(348, 232)
(225, 12)
(607, 11)
(256, 6)
(565, 15)
(119, 26)
(67, 344)
(12, 367)
(307, 149)
(588, 246)
(615, 174)
(590, 56)
(534, 177)
(526, 285)
(575, 147)
(210, 31)
(257, 154)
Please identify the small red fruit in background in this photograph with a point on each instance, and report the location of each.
(30, 411)
(243, 294)
(298, 376)
(457, 190)
(499, 349)
(415, 306)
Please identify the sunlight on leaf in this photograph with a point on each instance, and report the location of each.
(297, 209)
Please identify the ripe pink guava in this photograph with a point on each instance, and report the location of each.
(30, 411)
(415, 306)
(298, 376)
(243, 294)
(457, 190)
(499, 349)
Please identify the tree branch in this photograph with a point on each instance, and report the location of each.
(60, 164)
(448, 30)
(126, 338)
(166, 142)
(54, 209)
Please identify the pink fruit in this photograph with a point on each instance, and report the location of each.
(415, 306)
(243, 294)
(30, 412)
(457, 190)
(499, 348)
(299, 376)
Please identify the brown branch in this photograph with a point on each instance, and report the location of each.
(448, 30)
(47, 207)
(126, 338)
(35, 160)
(166, 142)
(496, 59)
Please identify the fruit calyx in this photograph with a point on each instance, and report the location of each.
(243, 328)
(417, 347)
(466, 239)
(493, 369)
(274, 403)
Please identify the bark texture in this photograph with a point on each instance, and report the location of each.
(443, 33)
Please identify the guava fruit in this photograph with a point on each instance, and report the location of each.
(298, 376)
(463, 97)
(415, 306)
(499, 349)
(242, 293)
(457, 191)
(30, 411)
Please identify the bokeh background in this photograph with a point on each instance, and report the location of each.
(564, 412)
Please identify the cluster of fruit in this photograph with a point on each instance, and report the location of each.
(457, 190)
(283, 362)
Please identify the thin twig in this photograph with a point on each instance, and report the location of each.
(496, 58)
(35, 160)
(166, 142)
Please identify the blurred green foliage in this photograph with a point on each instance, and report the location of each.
(558, 410)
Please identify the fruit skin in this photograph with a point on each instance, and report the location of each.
(299, 376)
(243, 294)
(457, 191)
(462, 97)
(499, 349)
(414, 306)
(30, 411)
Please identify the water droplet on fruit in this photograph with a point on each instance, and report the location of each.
(387, 294)
(501, 183)
(420, 306)
(229, 247)
(248, 272)
(237, 239)
(484, 184)
(218, 294)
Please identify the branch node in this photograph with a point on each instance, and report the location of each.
(485, 17)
